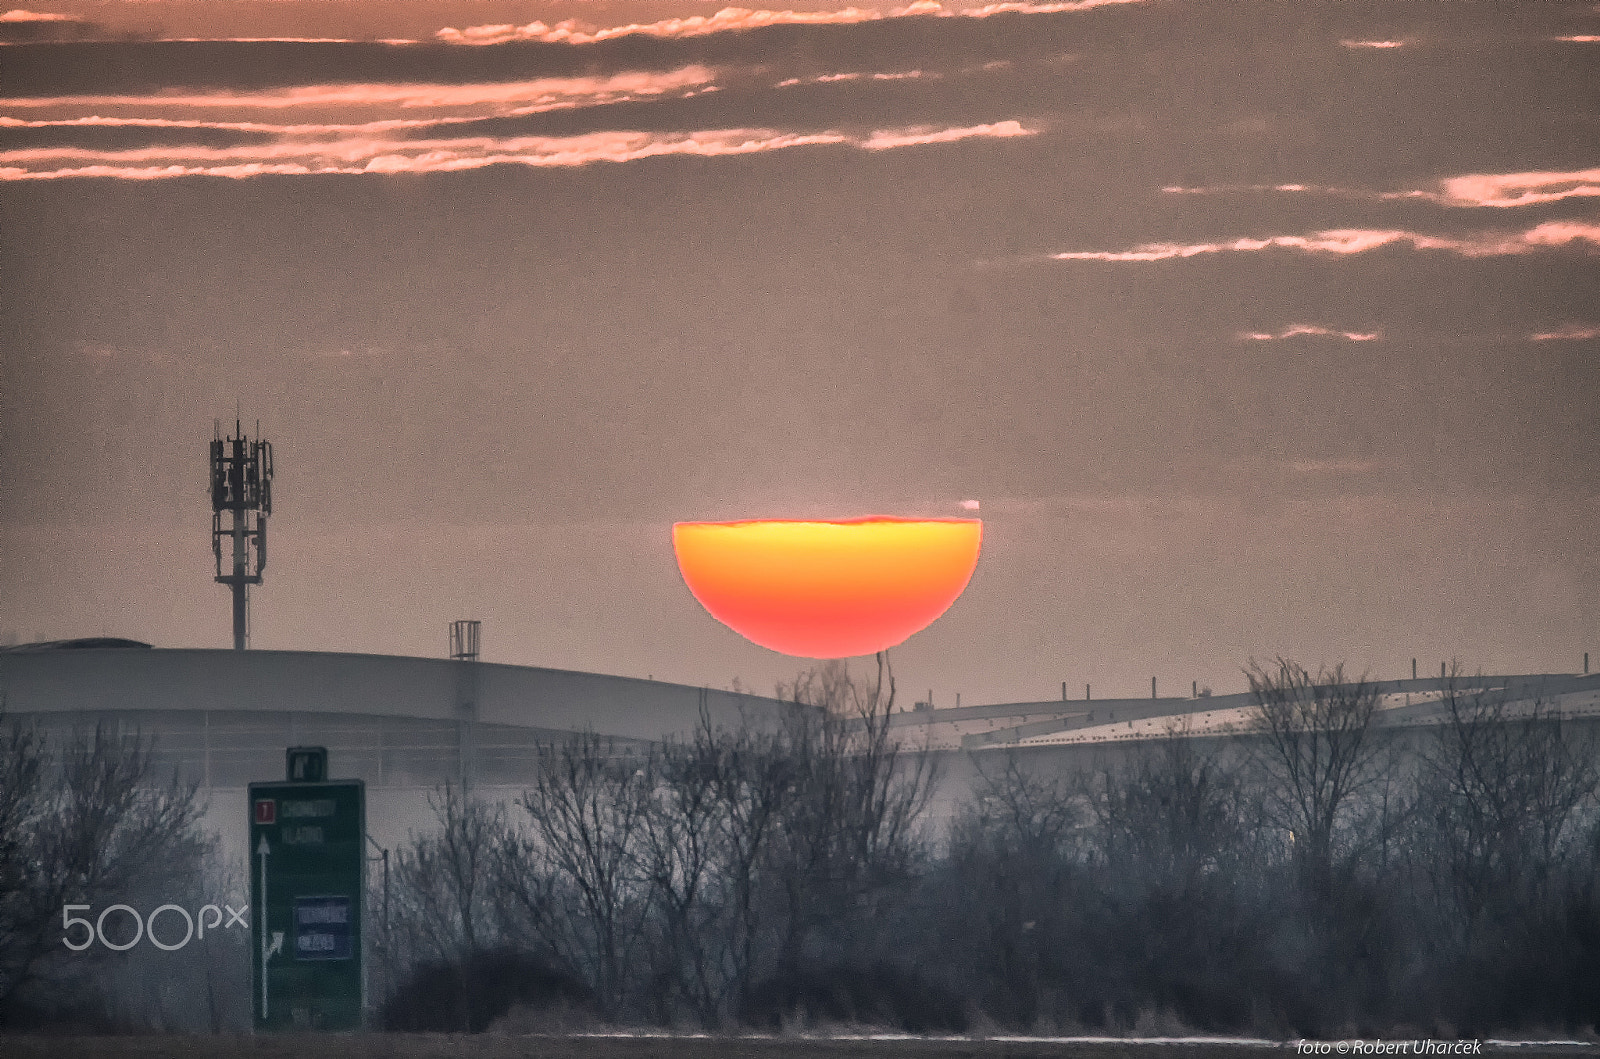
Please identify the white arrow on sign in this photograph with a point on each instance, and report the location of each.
(263, 851)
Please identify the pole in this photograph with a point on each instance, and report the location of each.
(1413, 669)
(1152, 687)
(241, 563)
(262, 851)
(238, 617)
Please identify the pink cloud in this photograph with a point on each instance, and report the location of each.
(274, 40)
(1573, 333)
(1518, 189)
(828, 79)
(733, 19)
(372, 154)
(376, 154)
(571, 31)
(1469, 190)
(885, 139)
(514, 97)
(1222, 189)
(1583, 38)
(1345, 241)
(1296, 330)
(17, 14)
(19, 25)
(270, 128)
(1560, 233)
(1037, 9)
(1382, 44)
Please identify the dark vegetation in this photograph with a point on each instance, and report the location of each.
(499, 1046)
(1318, 876)
(474, 990)
(1313, 876)
(90, 823)
(846, 994)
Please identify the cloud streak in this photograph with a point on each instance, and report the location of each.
(730, 19)
(829, 79)
(356, 155)
(1297, 330)
(1516, 189)
(1349, 241)
(18, 14)
(264, 127)
(1471, 190)
(887, 139)
(19, 26)
(503, 97)
(736, 19)
(1574, 333)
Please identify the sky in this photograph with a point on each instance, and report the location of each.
(1254, 328)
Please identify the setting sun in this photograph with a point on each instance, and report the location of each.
(834, 589)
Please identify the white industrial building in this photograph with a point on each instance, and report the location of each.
(222, 719)
(405, 726)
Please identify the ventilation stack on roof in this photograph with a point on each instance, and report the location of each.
(464, 640)
(464, 648)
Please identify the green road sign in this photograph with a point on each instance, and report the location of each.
(306, 892)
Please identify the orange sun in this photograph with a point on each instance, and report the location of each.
(827, 589)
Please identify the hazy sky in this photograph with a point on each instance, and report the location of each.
(1256, 328)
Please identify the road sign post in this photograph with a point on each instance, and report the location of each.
(307, 892)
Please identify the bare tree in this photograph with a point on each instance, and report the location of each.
(575, 882)
(1317, 754)
(849, 827)
(90, 825)
(461, 856)
(442, 890)
(21, 803)
(1025, 810)
(1504, 783)
(680, 852)
(1173, 812)
(1013, 850)
(753, 780)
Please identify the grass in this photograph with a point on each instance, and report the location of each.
(492, 1046)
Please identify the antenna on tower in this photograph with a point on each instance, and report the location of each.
(241, 485)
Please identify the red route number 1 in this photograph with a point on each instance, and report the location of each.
(267, 811)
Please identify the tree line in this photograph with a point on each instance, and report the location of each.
(1313, 875)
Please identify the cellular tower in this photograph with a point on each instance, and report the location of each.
(241, 487)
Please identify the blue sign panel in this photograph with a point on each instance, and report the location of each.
(322, 928)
